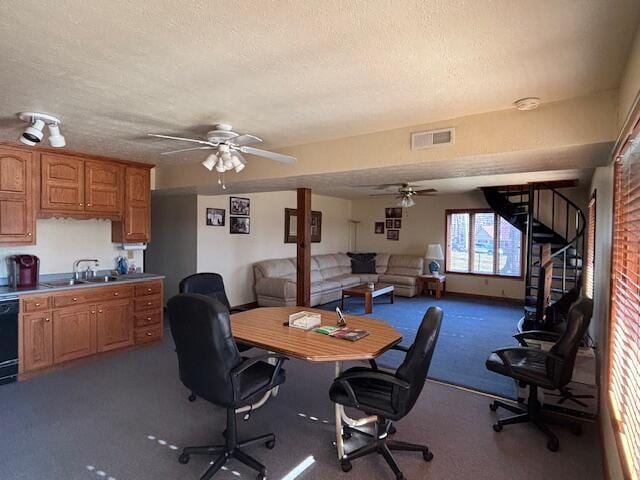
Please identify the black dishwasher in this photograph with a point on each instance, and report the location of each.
(8, 339)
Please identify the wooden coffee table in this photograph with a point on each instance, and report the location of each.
(368, 293)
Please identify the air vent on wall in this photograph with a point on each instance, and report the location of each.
(432, 138)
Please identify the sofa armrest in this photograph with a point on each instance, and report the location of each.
(276, 287)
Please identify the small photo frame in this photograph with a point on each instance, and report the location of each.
(379, 227)
(397, 223)
(393, 234)
(239, 206)
(393, 212)
(215, 217)
(389, 223)
(240, 225)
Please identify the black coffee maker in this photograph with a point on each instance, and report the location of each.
(24, 271)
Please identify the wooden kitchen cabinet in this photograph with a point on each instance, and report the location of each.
(62, 183)
(114, 325)
(136, 217)
(74, 333)
(37, 337)
(103, 187)
(17, 206)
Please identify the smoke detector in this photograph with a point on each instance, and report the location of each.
(527, 103)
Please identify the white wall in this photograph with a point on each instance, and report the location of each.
(61, 241)
(423, 224)
(233, 256)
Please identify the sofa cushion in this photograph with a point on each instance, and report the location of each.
(330, 267)
(397, 279)
(276, 268)
(329, 285)
(410, 265)
(363, 262)
(347, 280)
(382, 262)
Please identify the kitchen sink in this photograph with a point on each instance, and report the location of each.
(100, 279)
(69, 282)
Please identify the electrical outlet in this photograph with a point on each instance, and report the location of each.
(486, 281)
(130, 254)
(503, 293)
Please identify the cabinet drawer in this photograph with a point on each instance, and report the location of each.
(150, 318)
(152, 302)
(147, 334)
(87, 295)
(149, 288)
(32, 304)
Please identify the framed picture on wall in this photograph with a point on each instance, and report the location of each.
(379, 227)
(389, 223)
(240, 225)
(393, 234)
(239, 206)
(397, 223)
(393, 212)
(291, 225)
(215, 217)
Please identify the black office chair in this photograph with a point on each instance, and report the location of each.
(211, 366)
(389, 396)
(550, 370)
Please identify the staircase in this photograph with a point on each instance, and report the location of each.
(544, 215)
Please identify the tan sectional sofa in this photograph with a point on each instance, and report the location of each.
(275, 280)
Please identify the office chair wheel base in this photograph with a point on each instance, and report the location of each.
(346, 466)
(392, 430)
(261, 476)
(270, 444)
(493, 406)
(427, 455)
(497, 427)
(576, 430)
(183, 458)
(192, 398)
(553, 445)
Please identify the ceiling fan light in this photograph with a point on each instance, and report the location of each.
(220, 166)
(239, 167)
(406, 202)
(210, 162)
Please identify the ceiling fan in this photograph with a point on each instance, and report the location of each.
(229, 147)
(405, 193)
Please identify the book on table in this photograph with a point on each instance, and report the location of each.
(351, 334)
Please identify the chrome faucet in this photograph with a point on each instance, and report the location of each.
(78, 275)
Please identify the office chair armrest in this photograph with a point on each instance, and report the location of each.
(368, 375)
(249, 362)
(503, 354)
(546, 336)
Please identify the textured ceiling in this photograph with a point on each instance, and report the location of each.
(294, 72)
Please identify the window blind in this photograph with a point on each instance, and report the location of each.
(624, 371)
(591, 247)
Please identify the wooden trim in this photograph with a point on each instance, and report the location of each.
(71, 153)
(513, 301)
(303, 250)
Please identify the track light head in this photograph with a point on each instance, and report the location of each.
(33, 134)
(56, 139)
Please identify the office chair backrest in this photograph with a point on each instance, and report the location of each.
(205, 346)
(209, 284)
(416, 364)
(567, 345)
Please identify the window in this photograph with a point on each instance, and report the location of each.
(591, 247)
(481, 242)
(624, 363)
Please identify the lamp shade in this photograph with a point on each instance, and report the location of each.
(434, 252)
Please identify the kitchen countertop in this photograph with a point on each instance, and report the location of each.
(6, 291)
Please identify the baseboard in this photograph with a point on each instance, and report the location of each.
(246, 306)
(514, 301)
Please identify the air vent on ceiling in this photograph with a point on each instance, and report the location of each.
(432, 138)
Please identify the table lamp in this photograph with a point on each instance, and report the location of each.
(434, 252)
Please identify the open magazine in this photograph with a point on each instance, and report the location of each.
(351, 334)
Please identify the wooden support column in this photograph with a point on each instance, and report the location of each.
(303, 254)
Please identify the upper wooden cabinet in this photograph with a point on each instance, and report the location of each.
(136, 218)
(103, 187)
(62, 183)
(17, 206)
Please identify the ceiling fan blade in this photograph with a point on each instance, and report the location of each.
(425, 193)
(187, 150)
(245, 139)
(278, 157)
(426, 190)
(240, 157)
(382, 186)
(202, 142)
(384, 195)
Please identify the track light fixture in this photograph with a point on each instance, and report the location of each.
(33, 134)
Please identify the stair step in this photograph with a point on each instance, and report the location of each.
(518, 204)
(543, 234)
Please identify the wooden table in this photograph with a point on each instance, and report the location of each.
(368, 293)
(263, 328)
(437, 283)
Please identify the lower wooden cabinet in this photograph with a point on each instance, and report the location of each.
(38, 340)
(72, 324)
(74, 333)
(114, 325)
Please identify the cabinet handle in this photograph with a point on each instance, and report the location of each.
(128, 233)
(93, 311)
(88, 204)
(81, 204)
(46, 319)
(148, 334)
(75, 299)
(37, 304)
(115, 294)
(99, 311)
(29, 234)
(148, 289)
(149, 303)
(148, 319)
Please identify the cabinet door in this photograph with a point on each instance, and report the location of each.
(17, 212)
(137, 205)
(37, 331)
(103, 187)
(74, 333)
(114, 325)
(62, 183)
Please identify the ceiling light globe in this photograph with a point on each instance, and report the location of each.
(220, 166)
(239, 168)
(210, 162)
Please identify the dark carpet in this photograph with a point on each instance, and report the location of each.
(123, 417)
(470, 331)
